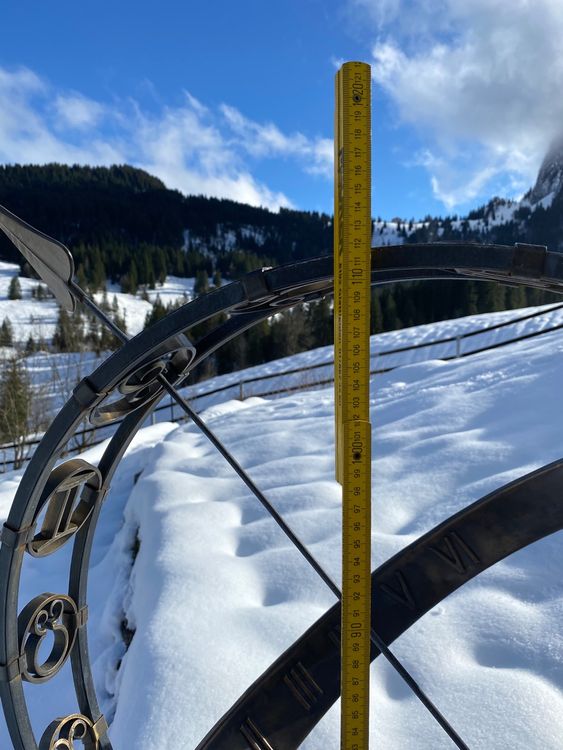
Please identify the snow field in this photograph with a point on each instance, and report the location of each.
(39, 318)
(446, 434)
(216, 592)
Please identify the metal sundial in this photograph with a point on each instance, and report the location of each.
(60, 504)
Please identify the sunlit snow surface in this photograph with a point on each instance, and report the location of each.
(38, 318)
(217, 592)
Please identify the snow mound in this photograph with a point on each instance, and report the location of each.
(190, 568)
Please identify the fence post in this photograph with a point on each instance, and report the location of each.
(457, 346)
(241, 390)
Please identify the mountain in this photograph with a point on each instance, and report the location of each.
(110, 217)
(537, 218)
(128, 231)
(550, 177)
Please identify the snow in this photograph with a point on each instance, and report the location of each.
(216, 591)
(39, 317)
(28, 315)
(547, 200)
(387, 232)
(53, 375)
(174, 289)
(271, 376)
(224, 238)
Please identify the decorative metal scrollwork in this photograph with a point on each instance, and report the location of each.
(141, 386)
(64, 515)
(63, 732)
(53, 616)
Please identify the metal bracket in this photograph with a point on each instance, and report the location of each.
(14, 539)
(255, 285)
(81, 617)
(85, 394)
(100, 727)
(13, 669)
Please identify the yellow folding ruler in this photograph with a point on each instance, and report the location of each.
(352, 275)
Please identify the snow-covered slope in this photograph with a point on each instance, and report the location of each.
(216, 592)
(30, 316)
(54, 375)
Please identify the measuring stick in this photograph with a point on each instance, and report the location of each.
(352, 289)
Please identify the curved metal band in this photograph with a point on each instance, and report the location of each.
(292, 695)
(253, 298)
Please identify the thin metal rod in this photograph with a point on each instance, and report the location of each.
(231, 460)
(98, 312)
(376, 639)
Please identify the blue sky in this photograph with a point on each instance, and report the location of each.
(236, 99)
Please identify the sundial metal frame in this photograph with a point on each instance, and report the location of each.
(59, 503)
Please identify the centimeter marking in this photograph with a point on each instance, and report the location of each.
(352, 276)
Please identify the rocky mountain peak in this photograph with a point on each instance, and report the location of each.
(550, 176)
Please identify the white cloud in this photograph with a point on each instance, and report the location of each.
(188, 152)
(77, 111)
(27, 134)
(268, 140)
(481, 80)
(190, 147)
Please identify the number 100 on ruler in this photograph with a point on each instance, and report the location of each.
(352, 290)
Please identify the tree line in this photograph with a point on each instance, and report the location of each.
(123, 225)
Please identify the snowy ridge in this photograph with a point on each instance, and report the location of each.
(550, 177)
(497, 212)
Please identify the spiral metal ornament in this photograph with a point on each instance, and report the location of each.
(142, 385)
(62, 734)
(48, 614)
(59, 505)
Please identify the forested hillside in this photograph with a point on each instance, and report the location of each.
(125, 227)
(122, 222)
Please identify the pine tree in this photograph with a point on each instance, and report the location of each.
(14, 290)
(490, 297)
(157, 313)
(30, 345)
(93, 334)
(16, 399)
(68, 336)
(6, 333)
(160, 266)
(98, 271)
(320, 322)
(201, 284)
(120, 320)
(130, 281)
(376, 314)
(391, 320)
(81, 279)
(144, 267)
(515, 297)
(38, 292)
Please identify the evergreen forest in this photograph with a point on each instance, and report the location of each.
(123, 225)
